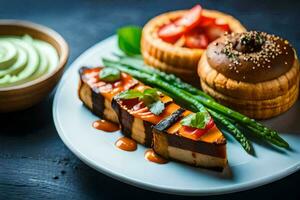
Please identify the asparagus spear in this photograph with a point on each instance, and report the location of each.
(237, 134)
(182, 96)
(139, 64)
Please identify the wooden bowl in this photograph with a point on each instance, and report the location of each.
(19, 97)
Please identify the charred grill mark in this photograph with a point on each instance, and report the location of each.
(115, 106)
(125, 119)
(81, 70)
(98, 104)
(168, 103)
(215, 150)
(169, 121)
(148, 133)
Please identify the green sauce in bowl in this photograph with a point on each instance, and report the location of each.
(23, 59)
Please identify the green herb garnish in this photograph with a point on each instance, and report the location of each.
(129, 94)
(196, 120)
(109, 74)
(149, 96)
(129, 38)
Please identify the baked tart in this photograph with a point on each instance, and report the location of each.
(253, 72)
(175, 41)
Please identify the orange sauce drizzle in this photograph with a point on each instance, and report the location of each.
(126, 144)
(104, 125)
(153, 157)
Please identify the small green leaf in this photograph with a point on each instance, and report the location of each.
(150, 95)
(157, 107)
(196, 120)
(151, 92)
(109, 74)
(129, 39)
(129, 94)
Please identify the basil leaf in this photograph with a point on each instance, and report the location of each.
(150, 95)
(196, 120)
(129, 40)
(109, 74)
(152, 101)
(157, 107)
(130, 94)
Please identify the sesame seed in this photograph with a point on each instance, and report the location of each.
(270, 47)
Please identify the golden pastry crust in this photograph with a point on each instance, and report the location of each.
(258, 109)
(171, 58)
(257, 100)
(248, 91)
(185, 74)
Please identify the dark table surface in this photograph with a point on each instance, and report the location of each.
(34, 162)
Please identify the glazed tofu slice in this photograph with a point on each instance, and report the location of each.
(162, 132)
(97, 95)
(171, 141)
(137, 121)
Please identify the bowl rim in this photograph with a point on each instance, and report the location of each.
(63, 57)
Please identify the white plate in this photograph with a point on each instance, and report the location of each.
(96, 148)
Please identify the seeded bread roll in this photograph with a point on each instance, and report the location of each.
(253, 72)
(253, 57)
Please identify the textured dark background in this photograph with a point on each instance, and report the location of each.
(35, 164)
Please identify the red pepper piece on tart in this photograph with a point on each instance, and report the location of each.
(216, 29)
(173, 31)
(196, 40)
(197, 29)
(206, 21)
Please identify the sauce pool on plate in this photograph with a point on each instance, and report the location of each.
(153, 157)
(126, 144)
(104, 125)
